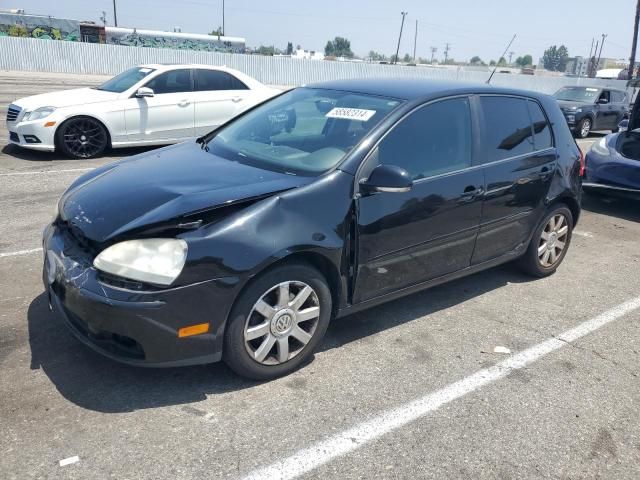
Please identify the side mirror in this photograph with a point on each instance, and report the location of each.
(144, 92)
(387, 178)
(603, 101)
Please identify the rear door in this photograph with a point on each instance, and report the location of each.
(218, 96)
(168, 115)
(619, 102)
(411, 237)
(607, 112)
(519, 163)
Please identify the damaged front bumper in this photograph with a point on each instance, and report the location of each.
(134, 327)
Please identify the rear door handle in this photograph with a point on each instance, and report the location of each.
(470, 194)
(545, 173)
(236, 99)
(183, 103)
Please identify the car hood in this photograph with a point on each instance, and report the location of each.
(569, 105)
(66, 98)
(162, 185)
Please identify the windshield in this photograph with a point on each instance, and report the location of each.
(125, 80)
(304, 132)
(578, 94)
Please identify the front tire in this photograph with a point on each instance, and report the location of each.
(277, 322)
(82, 138)
(549, 243)
(584, 128)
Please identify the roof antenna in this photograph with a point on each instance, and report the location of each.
(501, 56)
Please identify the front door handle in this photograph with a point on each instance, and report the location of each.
(545, 173)
(183, 103)
(470, 194)
(236, 99)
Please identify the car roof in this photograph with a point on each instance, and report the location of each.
(415, 89)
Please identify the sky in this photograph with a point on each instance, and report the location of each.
(471, 27)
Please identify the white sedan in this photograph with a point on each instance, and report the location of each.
(145, 105)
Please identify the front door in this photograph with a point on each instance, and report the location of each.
(520, 162)
(407, 238)
(168, 115)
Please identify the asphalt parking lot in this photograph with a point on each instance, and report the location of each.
(393, 392)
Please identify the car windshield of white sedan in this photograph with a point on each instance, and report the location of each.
(125, 80)
(578, 94)
(303, 132)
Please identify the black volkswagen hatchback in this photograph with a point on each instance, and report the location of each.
(323, 201)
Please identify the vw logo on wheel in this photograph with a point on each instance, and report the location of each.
(283, 323)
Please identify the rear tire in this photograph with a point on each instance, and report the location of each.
(549, 243)
(267, 335)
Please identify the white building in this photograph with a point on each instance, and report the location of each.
(302, 54)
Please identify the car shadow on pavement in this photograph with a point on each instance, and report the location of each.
(36, 156)
(97, 383)
(623, 208)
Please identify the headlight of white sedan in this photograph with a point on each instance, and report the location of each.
(38, 113)
(153, 260)
(601, 147)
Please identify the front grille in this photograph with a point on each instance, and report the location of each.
(12, 113)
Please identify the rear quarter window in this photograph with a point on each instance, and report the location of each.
(541, 129)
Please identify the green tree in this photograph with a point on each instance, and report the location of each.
(502, 62)
(492, 63)
(524, 61)
(338, 47)
(262, 50)
(289, 48)
(406, 58)
(217, 32)
(476, 60)
(555, 58)
(376, 57)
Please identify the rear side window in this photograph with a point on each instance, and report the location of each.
(435, 139)
(507, 128)
(213, 80)
(173, 81)
(541, 129)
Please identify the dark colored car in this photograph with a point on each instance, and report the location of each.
(592, 108)
(613, 163)
(321, 202)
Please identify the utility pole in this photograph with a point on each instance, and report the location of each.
(115, 14)
(600, 54)
(222, 17)
(510, 57)
(415, 41)
(592, 62)
(404, 14)
(434, 50)
(634, 42)
(103, 18)
(446, 52)
(589, 57)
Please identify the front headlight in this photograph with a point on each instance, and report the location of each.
(38, 113)
(153, 260)
(601, 147)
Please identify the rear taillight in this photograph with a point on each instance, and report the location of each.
(583, 164)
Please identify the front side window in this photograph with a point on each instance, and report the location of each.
(305, 131)
(173, 81)
(125, 80)
(213, 80)
(578, 94)
(506, 126)
(541, 128)
(433, 140)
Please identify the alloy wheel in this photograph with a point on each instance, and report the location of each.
(553, 240)
(585, 128)
(84, 137)
(282, 322)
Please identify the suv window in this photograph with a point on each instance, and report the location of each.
(507, 127)
(174, 81)
(618, 97)
(604, 96)
(541, 128)
(434, 140)
(209, 80)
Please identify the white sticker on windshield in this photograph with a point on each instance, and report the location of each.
(592, 89)
(351, 114)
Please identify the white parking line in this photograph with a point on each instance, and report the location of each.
(318, 454)
(20, 252)
(41, 172)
